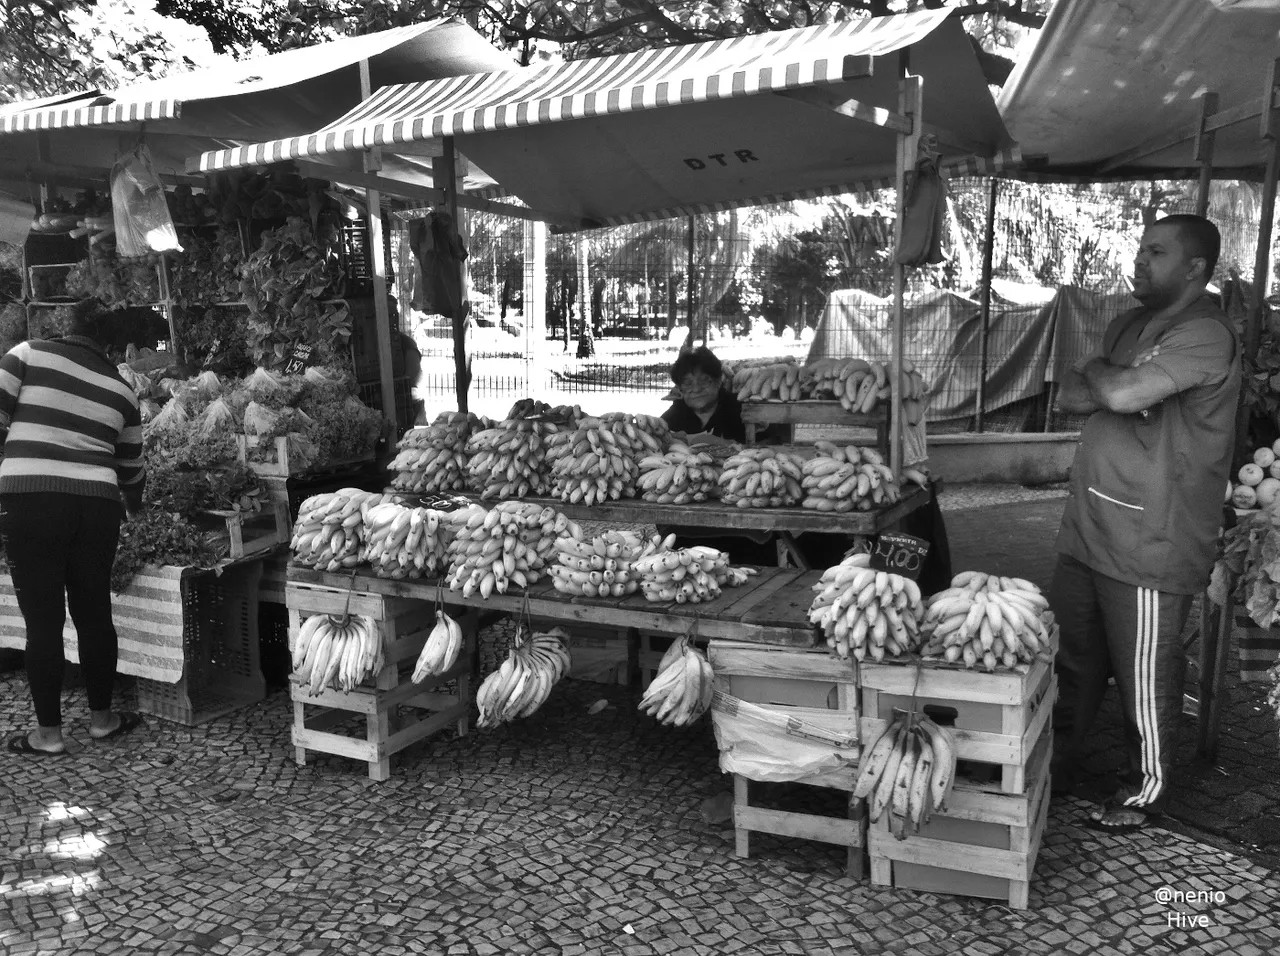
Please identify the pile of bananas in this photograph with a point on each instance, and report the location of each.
(909, 771)
(507, 461)
(402, 542)
(762, 478)
(441, 650)
(432, 459)
(679, 477)
(521, 685)
(766, 380)
(847, 479)
(339, 652)
(687, 575)
(601, 566)
(509, 544)
(867, 613)
(330, 527)
(595, 462)
(990, 620)
(682, 689)
(645, 434)
(252, 497)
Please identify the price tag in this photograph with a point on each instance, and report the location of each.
(899, 553)
(299, 360)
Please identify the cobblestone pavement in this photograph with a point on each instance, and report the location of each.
(567, 833)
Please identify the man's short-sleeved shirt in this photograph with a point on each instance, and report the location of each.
(1147, 488)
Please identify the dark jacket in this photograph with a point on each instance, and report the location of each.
(725, 422)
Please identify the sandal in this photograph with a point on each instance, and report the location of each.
(129, 721)
(21, 744)
(1113, 807)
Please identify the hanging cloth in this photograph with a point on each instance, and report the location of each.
(440, 288)
(925, 209)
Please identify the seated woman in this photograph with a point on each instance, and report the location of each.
(705, 407)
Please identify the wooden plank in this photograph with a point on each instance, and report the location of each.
(970, 744)
(811, 664)
(805, 826)
(809, 412)
(985, 860)
(756, 590)
(789, 607)
(335, 744)
(1007, 687)
(419, 730)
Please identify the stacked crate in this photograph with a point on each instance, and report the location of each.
(396, 713)
(795, 683)
(986, 842)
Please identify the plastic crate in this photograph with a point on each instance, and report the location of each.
(371, 394)
(364, 342)
(353, 257)
(221, 669)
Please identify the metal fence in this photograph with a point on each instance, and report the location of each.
(764, 281)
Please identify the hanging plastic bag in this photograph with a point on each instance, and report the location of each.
(143, 224)
(925, 210)
(260, 420)
(783, 745)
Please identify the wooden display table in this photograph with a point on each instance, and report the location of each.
(813, 411)
(771, 608)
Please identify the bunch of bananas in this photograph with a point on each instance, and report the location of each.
(595, 462)
(990, 620)
(441, 650)
(679, 477)
(601, 566)
(847, 479)
(909, 771)
(252, 497)
(432, 459)
(646, 434)
(508, 544)
(507, 461)
(771, 380)
(339, 652)
(828, 378)
(329, 530)
(762, 478)
(521, 685)
(402, 542)
(687, 575)
(682, 689)
(867, 613)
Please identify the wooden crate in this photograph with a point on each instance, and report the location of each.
(985, 845)
(599, 653)
(811, 411)
(275, 576)
(796, 682)
(252, 532)
(996, 718)
(397, 713)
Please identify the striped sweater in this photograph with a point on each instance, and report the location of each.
(73, 422)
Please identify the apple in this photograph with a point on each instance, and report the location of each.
(1264, 457)
(1266, 492)
(1275, 447)
(1250, 474)
(1244, 497)
(1274, 470)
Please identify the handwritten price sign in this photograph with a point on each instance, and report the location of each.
(299, 360)
(900, 553)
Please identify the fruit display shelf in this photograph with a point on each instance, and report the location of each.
(771, 609)
(717, 514)
(810, 411)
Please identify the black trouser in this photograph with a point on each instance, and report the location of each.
(1109, 628)
(61, 548)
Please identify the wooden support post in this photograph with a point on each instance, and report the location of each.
(910, 103)
(1203, 153)
(1270, 132)
(534, 296)
(444, 176)
(988, 250)
(378, 266)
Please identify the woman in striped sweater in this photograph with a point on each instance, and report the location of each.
(72, 454)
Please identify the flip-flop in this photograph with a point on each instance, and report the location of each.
(1113, 806)
(128, 721)
(21, 744)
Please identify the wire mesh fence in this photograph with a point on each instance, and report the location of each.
(814, 278)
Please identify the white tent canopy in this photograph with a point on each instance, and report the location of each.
(1105, 77)
(667, 131)
(187, 113)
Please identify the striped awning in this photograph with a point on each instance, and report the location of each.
(86, 113)
(633, 134)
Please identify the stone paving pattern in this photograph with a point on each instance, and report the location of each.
(564, 834)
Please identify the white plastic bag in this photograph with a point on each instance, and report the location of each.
(782, 745)
(143, 224)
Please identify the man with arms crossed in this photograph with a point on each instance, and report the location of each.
(1139, 533)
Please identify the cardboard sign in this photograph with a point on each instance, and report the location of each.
(899, 553)
(299, 360)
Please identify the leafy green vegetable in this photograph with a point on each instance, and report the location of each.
(156, 537)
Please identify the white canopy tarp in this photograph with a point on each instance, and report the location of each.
(661, 132)
(1103, 77)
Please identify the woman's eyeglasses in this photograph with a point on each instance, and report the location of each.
(700, 383)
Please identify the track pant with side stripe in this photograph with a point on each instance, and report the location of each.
(1109, 628)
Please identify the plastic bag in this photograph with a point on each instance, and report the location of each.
(266, 388)
(140, 384)
(925, 210)
(784, 744)
(208, 386)
(218, 422)
(260, 420)
(143, 224)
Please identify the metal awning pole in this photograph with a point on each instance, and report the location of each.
(988, 249)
